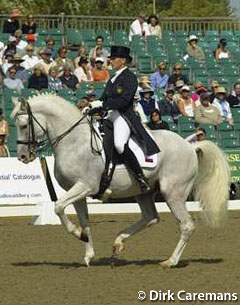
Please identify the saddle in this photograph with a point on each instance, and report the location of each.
(113, 159)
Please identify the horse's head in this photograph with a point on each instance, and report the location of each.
(30, 128)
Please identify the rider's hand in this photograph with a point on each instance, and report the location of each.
(96, 104)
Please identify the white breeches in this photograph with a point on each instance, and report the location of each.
(121, 130)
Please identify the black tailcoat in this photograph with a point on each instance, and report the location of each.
(119, 96)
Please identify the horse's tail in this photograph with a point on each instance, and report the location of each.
(212, 182)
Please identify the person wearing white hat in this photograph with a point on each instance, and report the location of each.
(185, 103)
(193, 50)
(99, 72)
(220, 101)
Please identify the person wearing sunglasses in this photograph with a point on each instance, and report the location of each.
(177, 75)
(159, 79)
(11, 81)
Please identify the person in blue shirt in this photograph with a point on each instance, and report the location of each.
(159, 79)
(147, 101)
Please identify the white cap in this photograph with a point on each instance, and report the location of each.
(192, 37)
(187, 88)
(99, 59)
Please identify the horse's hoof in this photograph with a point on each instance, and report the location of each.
(87, 260)
(84, 237)
(167, 264)
(117, 249)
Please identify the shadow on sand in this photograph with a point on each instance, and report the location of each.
(114, 262)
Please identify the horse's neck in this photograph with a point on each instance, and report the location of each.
(59, 116)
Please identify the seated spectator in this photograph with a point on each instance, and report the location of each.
(50, 45)
(29, 26)
(234, 98)
(4, 152)
(7, 61)
(206, 112)
(11, 46)
(198, 135)
(30, 60)
(159, 79)
(143, 82)
(16, 62)
(12, 23)
(4, 134)
(147, 101)
(68, 79)
(199, 89)
(82, 52)
(222, 104)
(20, 43)
(177, 75)
(178, 90)
(168, 106)
(4, 126)
(83, 72)
(156, 121)
(102, 52)
(99, 73)
(38, 80)
(11, 81)
(63, 60)
(214, 86)
(54, 82)
(193, 50)
(185, 103)
(154, 27)
(222, 51)
(139, 27)
(46, 60)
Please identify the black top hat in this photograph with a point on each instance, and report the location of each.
(120, 51)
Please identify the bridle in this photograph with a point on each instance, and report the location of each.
(33, 144)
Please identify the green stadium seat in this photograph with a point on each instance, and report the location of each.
(88, 34)
(167, 118)
(230, 144)
(173, 127)
(186, 127)
(74, 37)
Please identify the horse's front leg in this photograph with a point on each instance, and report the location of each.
(82, 212)
(78, 192)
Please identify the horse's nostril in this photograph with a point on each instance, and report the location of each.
(22, 157)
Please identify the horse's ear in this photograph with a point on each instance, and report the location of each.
(23, 104)
(14, 101)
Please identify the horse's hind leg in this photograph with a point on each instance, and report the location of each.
(77, 193)
(148, 218)
(82, 212)
(176, 202)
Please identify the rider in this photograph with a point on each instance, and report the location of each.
(118, 97)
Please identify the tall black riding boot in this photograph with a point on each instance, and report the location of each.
(132, 164)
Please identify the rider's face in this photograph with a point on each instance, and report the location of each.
(118, 63)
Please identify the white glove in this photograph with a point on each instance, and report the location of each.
(96, 104)
(85, 110)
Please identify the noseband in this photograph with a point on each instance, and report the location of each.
(32, 143)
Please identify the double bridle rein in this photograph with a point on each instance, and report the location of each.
(35, 146)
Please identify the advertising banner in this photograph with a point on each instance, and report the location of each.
(233, 157)
(22, 183)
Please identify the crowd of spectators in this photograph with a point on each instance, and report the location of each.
(23, 64)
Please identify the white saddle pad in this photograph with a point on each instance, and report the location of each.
(144, 161)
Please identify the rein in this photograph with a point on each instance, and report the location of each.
(35, 146)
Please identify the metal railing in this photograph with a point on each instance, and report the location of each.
(111, 23)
